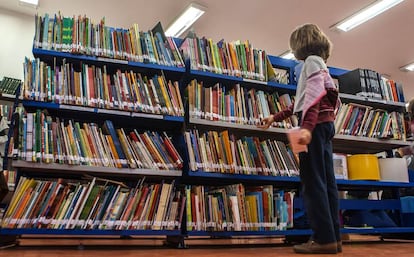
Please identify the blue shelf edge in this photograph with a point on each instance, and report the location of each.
(250, 233)
(295, 179)
(56, 106)
(216, 75)
(87, 232)
(39, 51)
(344, 182)
(243, 177)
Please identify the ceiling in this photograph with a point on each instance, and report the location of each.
(383, 44)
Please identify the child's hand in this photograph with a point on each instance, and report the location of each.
(266, 122)
(305, 137)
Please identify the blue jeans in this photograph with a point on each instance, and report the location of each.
(319, 189)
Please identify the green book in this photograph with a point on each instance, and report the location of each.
(67, 29)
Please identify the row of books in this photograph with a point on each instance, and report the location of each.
(359, 120)
(236, 104)
(238, 208)
(236, 58)
(80, 35)
(6, 111)
(47, 139)
(9, 85)
(93, 86)
(369, 83)
(213, 151)
(94, 204)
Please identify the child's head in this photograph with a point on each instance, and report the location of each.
(309, 39)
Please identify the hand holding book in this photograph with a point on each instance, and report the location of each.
(299, 139)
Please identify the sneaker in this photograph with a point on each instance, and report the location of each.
(312, 247)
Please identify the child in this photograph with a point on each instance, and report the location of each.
(315, 103)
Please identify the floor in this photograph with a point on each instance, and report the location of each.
(355, 246)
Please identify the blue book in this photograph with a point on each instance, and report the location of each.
(195, 146)
(109, 129)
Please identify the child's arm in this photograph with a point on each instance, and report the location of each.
(279, 116)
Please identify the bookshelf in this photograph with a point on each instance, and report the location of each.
(97, 138)
(177, 123)
(349, 144)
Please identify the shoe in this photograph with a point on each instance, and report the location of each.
(339, 246)
(312, 247)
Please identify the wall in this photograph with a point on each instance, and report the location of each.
(16, 33)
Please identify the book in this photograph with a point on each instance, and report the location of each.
(294, 136)
(109, 129)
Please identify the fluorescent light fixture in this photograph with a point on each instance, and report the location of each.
(408, 67)
(185, 20)
(365, 14)
(288, 55)
(31, 3)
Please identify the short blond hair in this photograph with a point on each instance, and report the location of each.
(309, 39)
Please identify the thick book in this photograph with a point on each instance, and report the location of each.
(294, 136)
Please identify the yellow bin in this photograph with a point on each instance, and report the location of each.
(363, 167)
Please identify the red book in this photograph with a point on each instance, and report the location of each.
(140, 207)
(172, 151)
(91, 86)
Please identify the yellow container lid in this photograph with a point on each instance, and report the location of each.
(363, 167)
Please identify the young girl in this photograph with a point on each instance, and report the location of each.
(315, 103)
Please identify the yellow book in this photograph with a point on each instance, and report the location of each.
(23, 185)
(213, 56)
(251, 201)
(126, 148)
(188, 208)
(162, 82)
(219, 151)
(373, 123)
(138, 47)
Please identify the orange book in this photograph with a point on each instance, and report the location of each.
(113, 151)
(225, 139)
(152, 149)
(21, 207)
